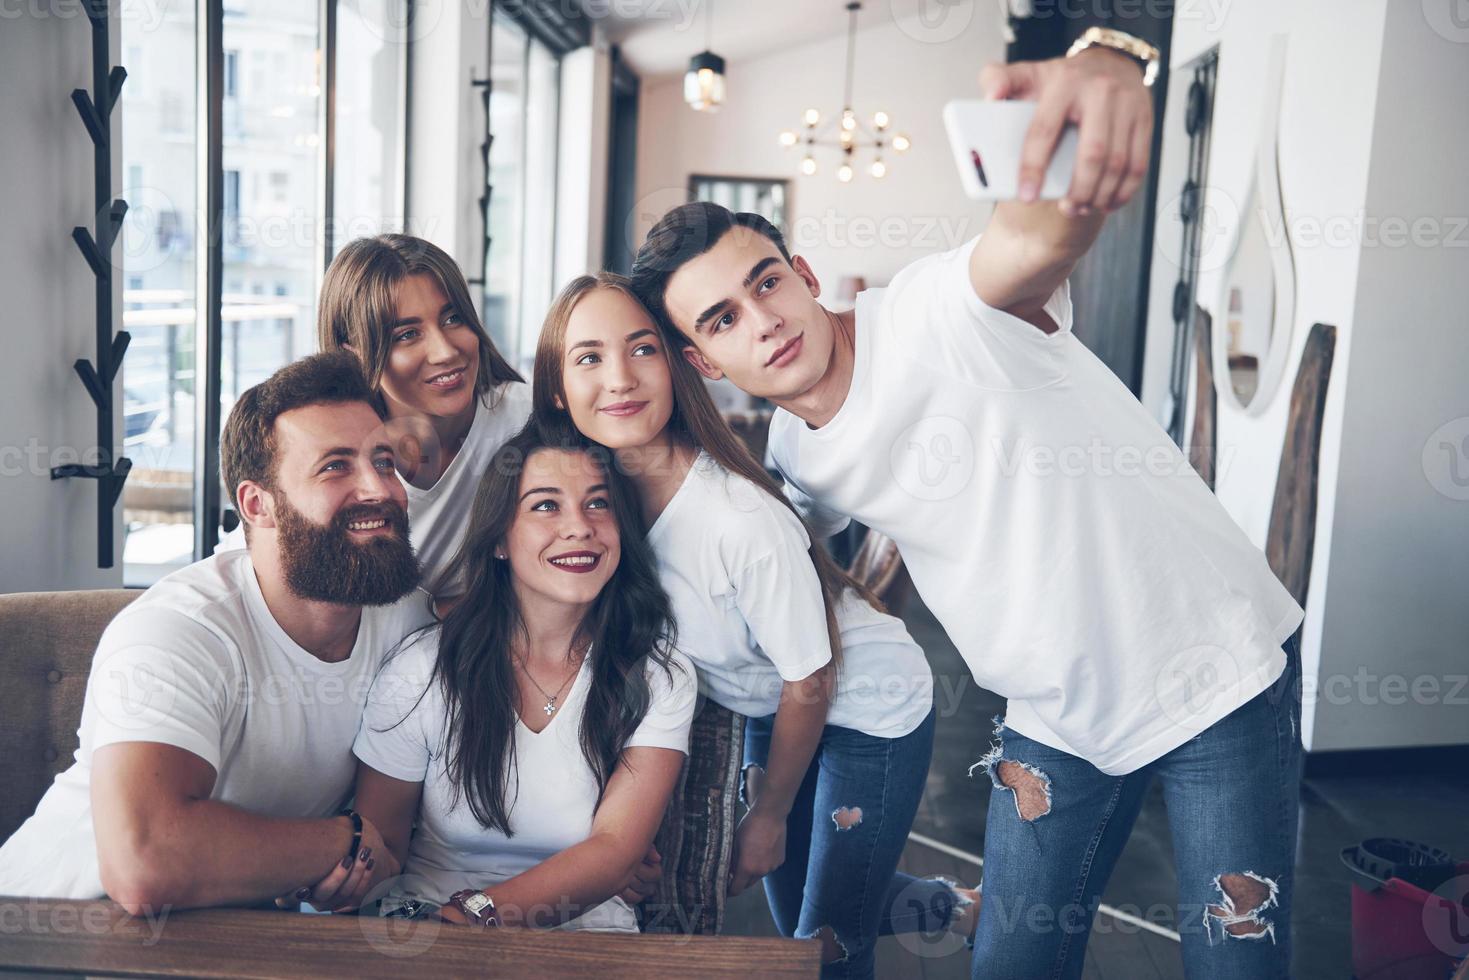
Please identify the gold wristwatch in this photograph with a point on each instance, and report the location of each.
(1105, 37)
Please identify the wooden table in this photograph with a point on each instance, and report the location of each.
(99, 939)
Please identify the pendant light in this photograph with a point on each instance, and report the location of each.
(703, 84)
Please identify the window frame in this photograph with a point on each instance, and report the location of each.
(210, 95)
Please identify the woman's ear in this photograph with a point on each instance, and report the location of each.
(349, 348)
(556, 400)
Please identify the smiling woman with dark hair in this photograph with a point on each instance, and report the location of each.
(535, 736)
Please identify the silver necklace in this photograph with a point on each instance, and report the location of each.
(550, 706)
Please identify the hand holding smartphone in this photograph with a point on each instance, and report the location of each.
(986, 138)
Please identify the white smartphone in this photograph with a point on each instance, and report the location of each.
(986, 138)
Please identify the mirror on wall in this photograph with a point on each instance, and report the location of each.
(763, 196)
(1257, 305)
(1249, 317)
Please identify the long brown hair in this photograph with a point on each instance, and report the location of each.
(695, 419)
(359, 300)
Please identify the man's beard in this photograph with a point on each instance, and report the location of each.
(321, 562)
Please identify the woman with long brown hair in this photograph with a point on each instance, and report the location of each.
(518, 757)
(838, 696)
(401, 305)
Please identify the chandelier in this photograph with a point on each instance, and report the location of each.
(851, 133)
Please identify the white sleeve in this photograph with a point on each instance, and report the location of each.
(670, 708)
(158, 676)
(779, 596)
(402, 714)
(821, 519)
(931, 311)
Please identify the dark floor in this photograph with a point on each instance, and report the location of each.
(1336, 812)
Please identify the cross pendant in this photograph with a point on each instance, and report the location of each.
(550, 708)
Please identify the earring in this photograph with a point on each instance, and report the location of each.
(499, 556)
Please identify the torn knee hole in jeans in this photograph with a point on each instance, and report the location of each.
(846, 817)
(1030, 787)
(1244, 898)
(833, 950)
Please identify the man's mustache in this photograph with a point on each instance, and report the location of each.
(396, 517)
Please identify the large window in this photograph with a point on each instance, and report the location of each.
(272, 163)
(368, 185)
(524, 92)
(277, 231)
(159, 247)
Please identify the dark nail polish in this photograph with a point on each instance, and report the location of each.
(370, 863)
(303, 893)
(364, 854)
(347, 861)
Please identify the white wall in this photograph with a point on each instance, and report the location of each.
(581, 166)
(1399, 560)
(446, 123)
(48, 539)
(869, 227)
(1384, 541)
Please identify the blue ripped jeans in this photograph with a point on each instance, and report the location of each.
(1231, 793)
(847, 879)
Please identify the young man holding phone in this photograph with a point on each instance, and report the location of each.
(1078, 564)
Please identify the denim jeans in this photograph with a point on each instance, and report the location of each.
(1231, 794)
(847, 879)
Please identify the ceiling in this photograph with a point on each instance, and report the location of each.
(657, 37)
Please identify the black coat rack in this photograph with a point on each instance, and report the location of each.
(96, 112)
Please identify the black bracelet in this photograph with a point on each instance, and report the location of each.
(356, 819)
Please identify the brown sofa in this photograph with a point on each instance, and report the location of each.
(49, 639)
(46, 645)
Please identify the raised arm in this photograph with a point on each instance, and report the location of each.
(1030, 246)
(161, 841)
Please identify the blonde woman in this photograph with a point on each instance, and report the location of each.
(402, 306)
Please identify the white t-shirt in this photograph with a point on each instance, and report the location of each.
(748, 605)
(404, 736)
(1078, 563)
(199, 663)
(438, 517)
